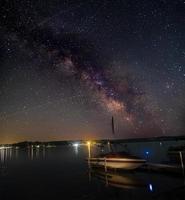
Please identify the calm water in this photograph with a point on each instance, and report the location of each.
(62, 173)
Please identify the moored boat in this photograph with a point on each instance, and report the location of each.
(118, 160)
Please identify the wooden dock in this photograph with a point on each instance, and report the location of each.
(163, 168)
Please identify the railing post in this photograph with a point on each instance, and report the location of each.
(182, 164)
(106, 180)
(89, 172)
(105, 165)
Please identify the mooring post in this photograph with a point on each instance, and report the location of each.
(89, 172)
(89, 164)
(106, 180)
(105, 165)
(182, 164)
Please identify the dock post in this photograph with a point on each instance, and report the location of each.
(89, 164)
(106, 180)
(89, 173)
(105, 165)
(182, 164)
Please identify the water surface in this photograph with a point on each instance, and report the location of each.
(62, 173)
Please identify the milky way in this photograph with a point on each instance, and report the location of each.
(72, 55)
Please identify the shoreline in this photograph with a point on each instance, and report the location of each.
(103, 141)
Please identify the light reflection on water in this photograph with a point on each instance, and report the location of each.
(49, 173)
(124, 180)
(5, 154)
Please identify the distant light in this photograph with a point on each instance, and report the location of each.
(150, 187)
(5, 147)
(88, 142)
(76, 145)
(38, 146)
(147, 152)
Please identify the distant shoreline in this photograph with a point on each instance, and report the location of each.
(128, 140)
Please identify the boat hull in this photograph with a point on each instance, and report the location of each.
(118, 163)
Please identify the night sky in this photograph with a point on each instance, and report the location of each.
(67, 67)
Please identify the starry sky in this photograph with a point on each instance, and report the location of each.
(68, 66)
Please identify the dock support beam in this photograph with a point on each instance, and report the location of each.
(105, 165)
(182, 164)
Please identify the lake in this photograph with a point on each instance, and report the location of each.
(63, 173)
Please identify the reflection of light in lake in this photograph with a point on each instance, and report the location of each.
(44, 151)
(10, 153)
(150, 187)
(5, 154)
(32, 152)
(16, 153)
(76, 146)
(89, 148)
(147, 154)
(2, 154)
(117, 180)
(37, 152)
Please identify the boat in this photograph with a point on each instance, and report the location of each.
(117, 160)
(124, 181)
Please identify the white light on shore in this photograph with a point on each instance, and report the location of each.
(76, 144)
(76, 147)
(4, 147)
